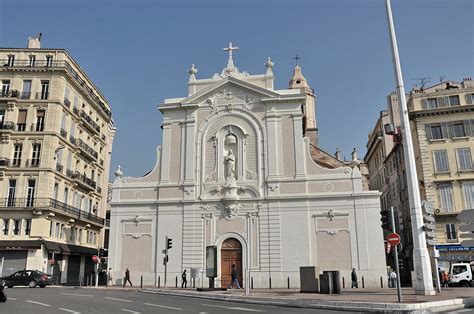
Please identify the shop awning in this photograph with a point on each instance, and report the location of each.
(20, 245)
(69, 248)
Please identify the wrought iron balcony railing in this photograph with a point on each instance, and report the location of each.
(67, 102)
(63, 133)
(49, 203)
(4, 162)
(7, 126)
(59, 168)
(87, 149)
(63, 65)
(91, 123)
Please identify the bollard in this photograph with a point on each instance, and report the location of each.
(381, 282)
(270, 282)
(159, 281)
(141, 281)
(251, 283)
(343, 283)
(288, 279)
(194, 282)
(363, 283)
(176, 282)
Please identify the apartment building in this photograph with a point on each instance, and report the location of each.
(56, 134)
(442, 126)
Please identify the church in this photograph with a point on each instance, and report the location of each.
(240, 170)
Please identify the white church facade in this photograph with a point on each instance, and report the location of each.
(240, 169)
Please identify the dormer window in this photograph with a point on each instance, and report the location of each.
(454, 100)
(11, 60)
(32, 61)
(49, 61)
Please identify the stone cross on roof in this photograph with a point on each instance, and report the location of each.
(297, 58)
(230, 61)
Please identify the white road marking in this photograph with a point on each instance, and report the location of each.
(233, 308)
(134, 312)
(462, 311)
(70, 311)
(165, 307)
(43, 304)
(12, 299)
(78, 295)
(123, 300)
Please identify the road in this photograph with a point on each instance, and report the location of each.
(74, 300)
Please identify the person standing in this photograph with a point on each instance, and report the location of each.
(354, 279)
(109, 277)
(233, 276)
(127, 278)
(393, 279)
(445, 279)
(184, 282)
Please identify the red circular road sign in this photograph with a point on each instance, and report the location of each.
(393, 239)
(95, 258)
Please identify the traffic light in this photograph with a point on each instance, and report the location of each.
(398, 220)
(169, 243)
(385, 218)
(429, 223)
(102, 252)
(467, 229)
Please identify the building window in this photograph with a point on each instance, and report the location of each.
(30, 193)
(11, 60)
(16, 226)
(468, 194)
(44, 90)
(436, 132)
(32, 60)
(445, 192)
(6, 225)
(27, 226)
(66, 195)
(11, 193)
(26, 91)
(2, 118)
(454, 100)
(49, 61)
(71, 234)
(56, 233)
(50, 229)
(35, 156)
(80, 236)
(464, 159)
(40, 120)
(451, 232)
(21, 122)
(458, 129)
(432, 103)
(440, 160)
(5, 87)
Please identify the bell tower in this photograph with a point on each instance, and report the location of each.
(298, 81)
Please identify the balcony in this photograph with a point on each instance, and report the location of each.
(89, 122)
(83, 180)
(63, 133)
(63, 65)
(10, 94)
(7, 126)
(4, 162)
(89, 152)
(33, 163)
(39, 204)
(73, 140)
(67, 102)
(59, 168)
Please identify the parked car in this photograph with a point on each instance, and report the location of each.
(31, 278)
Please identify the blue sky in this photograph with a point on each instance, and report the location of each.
(138, 53)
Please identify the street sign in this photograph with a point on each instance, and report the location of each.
(393, 239)
(428, 207)
(51, 261)
(95, 258)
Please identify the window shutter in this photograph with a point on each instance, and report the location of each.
(445, 130)
(22, 116)
(424, 104)
(468, 99)
(467, 127)
(428, 131)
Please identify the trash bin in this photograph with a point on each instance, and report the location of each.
(308, 280)
(325, 283)
(336, 280)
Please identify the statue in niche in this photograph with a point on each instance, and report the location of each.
(230, 165)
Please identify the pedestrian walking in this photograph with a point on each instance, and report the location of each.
(127, 278)
(445, 279)
(233, 276)
(393, 279)
(184, 282)
(109, 277)
(355, 283)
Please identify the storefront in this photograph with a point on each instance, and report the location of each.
(449, 253)
(15, 255)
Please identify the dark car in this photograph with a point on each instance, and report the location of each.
(31, 278)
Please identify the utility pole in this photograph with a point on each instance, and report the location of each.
(165, 259)
(397, 270)
(421, 258)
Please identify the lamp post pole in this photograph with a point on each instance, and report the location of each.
(421, 258)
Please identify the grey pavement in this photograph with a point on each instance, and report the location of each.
(119, 300)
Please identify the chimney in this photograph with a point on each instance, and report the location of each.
(34, 42)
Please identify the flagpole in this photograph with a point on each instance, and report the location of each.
(421, 258)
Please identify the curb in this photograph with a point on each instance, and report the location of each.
(444, 305)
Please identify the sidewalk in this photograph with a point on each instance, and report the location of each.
(367, 300)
